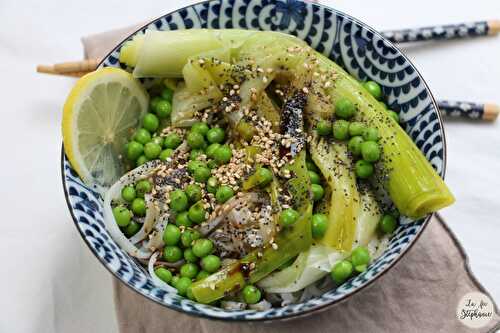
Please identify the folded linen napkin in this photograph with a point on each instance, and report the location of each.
(420, 294)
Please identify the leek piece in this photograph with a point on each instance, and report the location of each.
(369, 216)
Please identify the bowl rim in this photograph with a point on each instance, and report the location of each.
(328, 304)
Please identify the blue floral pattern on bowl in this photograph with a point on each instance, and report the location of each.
(363, 52)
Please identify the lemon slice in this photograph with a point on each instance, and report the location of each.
(101, 112)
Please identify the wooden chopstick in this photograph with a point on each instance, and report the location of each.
(70, 68)
(470, 110)
(443, 32)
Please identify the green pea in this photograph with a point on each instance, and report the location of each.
(341, 271)
(363, 169)
(200, 127)
(186, 237)
(341, 129)
(212, 185)
(166, 153)
(193, 165)
(163, 109)
(314, 177)
(317, 191)
(251, 294)
(344, 108)
(246, 130)
(223, 194)
(195, 153)
(288, 217)
(201, 174)
(202, 247)
(388, 224)
(319, 224)
(150, 122)
(311, 166)
(153, 103)
(223, 154)
(373, 88)
(210, 263)
(141, 160)
(201, 275)
(174, 280)
(189, 270)
(171, 235)
(264, 176)
(152, 150)
(158, 140)
(134, 150)
(122, 216)
(324, 128)
(193, 192)
(370, 134)
(210, 151)
(394, 116)
(356, 128)
(370, 151)
(164, 274)
(216, 135)
(172, 253)
(212, 164)
(189, 293)
(360, 258)
(195, 140)
(167, 94)
(139, 207)
(197, 212)
(178, 201)
(142, 136)
(142, 187)
(172, 141)
(354, 145)
(189, 256)
(132, 228)
(182, 219)
(182, 285)
(128, 193)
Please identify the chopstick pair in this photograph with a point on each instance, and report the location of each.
(453, 109)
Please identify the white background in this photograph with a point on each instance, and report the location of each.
(50, 281)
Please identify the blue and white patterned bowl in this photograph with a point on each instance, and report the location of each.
(363, 52)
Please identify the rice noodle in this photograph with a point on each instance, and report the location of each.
(156, 280)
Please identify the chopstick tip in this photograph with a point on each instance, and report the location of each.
(491, 111)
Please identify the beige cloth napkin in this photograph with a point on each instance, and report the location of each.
(420, 294)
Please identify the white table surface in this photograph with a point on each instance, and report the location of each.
(50, 281)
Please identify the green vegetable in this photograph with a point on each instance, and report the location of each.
(344, 108)
(251, 294)
(314, 177)
(224, 193)
(370, 151)
(141, 160)
(122, 216)
(182, 219)
(132, 228)
(223, 154)
(210, 151)
(200, 127)
(142, 136)
(195, 153)
(373, 88)
(356, 128)
(150, 122)
(311, 166)
(153, 103)
(166, 153)
(341, 271)
(158, 140)
(164, 274)
(360, 258)
(245, 130)
(212, 185)
(262, 177)
(216, 135)
(370, 134)
(167, 94)
(152, 150)
(174, 280)
(354, 145)
(193, 192)
(197, 212)
(189, 270)
(324, 128)
(341, 129)
(319, 224)
(163, 109)
(210, 263)
(134, 150)
(388, 224)
(195, 140)
(288, 217)
(201, 275)
(171, 235)
(182, 285)
(172, 253)
(172, 141)
(142, 187)
(201, 174)
(188, 236)
(202, 247)
(318, 192)
(363, 169)
(128, 193)
(178, 201)
(189, 256)
(194, 164)
(139, 207)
